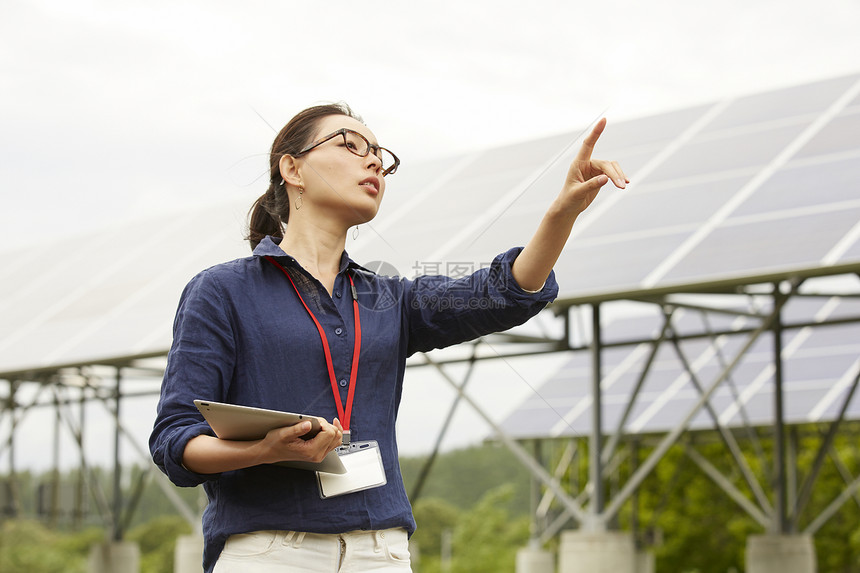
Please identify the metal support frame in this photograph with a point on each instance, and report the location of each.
(12, 408)
(428, 465)
(161, 480)
(54, 509)
(592, 508)
(550, 530)
(538, 523)
(769, 516)
(791, 468)
(518, 450)
(725, 434)
(843, 471)
(634, 395)
(114, 514)
(833, 507)
(825, 448)
(749, 430)
(780, 523)
(595, 440)
(669, 440)
(733, 492)
(116, 525)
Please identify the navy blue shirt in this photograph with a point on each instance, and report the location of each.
(242, 336)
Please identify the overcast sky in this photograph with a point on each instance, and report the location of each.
(116, 109)
(113, 110)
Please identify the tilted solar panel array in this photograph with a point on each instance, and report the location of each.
(775, 170)
(107, 294)
(718, 190)
(763, 184)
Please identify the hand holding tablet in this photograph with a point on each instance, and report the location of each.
(234, 422)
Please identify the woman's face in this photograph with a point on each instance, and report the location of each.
(338, 181)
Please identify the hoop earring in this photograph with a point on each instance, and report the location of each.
(355, 233)
(299, 201)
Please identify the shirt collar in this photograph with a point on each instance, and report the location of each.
(268, 247)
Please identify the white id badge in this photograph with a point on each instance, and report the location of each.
(364, 470)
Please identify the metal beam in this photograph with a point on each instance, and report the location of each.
(666, 301)
(826, 445)
(640, 382)
(595, 442)
(116, 530)
(843, 471)
(560, 469)
(833, 507)
(724, 484)
(162, 480)
(428, 465)
(87, 475)
(639, 476)
(726, 435)
(780, 524)
(536, 469)
(737, 401)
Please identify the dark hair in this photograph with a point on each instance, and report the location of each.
(271, 211)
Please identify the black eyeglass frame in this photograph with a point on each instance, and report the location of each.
(370, 147)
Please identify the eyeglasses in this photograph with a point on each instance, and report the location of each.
(358, 144)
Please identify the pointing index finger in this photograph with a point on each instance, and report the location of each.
(590, 141)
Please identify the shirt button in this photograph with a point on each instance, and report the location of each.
(337, 294)
(338, 331)
(342, 383)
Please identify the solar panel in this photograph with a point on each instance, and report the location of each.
(852, 253)
(664, 207)
(838, 136)
(803, 100)
(701, 167)
(652, 132)
(740, 247)
(707, 154)
(111, 294)
(719, 191)
(806, 185)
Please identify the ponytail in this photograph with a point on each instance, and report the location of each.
(268, 215)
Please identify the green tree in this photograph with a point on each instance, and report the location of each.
(28, 547)
(434, 517)
(487, 538)
(462, 477)
(157, 542)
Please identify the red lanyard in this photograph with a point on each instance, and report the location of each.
(343, 413)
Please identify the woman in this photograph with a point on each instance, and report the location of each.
(298, 327)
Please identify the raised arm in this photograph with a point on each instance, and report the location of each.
(584, 180)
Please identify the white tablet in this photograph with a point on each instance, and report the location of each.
(234, 422)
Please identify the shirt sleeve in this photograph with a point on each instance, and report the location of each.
(199, 366)
(443, 311)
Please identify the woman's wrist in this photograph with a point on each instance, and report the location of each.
(210, 455)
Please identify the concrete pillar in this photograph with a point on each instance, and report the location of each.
(597, 552)
(188, 556)
(114, 557)
(414, 554)
(780, 554)
(646, 561)
(535, 560)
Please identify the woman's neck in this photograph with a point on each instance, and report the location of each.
(317, 249)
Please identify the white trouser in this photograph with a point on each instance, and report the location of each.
(296, 552)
